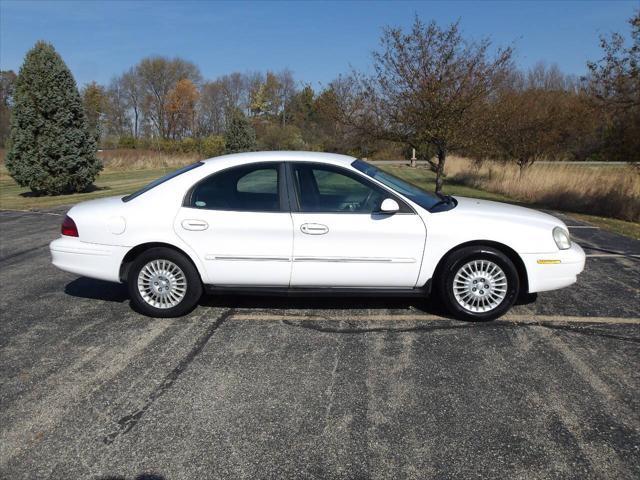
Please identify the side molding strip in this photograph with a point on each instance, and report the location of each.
(309, 259)
(247, 258)
(354, 260)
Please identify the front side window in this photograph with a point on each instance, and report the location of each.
(426, 200)
(323, 188)
(252, 188)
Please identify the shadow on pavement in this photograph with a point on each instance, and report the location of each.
(320, 302)
(84, 287)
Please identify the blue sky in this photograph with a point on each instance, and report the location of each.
(316, 40)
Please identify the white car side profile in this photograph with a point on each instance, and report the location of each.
(312, 223)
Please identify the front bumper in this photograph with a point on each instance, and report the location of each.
(550, 271)
(87, 259)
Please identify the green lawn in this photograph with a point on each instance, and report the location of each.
(425, 178)
(13, 197)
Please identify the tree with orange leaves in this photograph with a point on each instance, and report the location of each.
(181, 109)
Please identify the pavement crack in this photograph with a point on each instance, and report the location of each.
(632, 256)
(22, 252)
(313, 325)
(586, 331)
(127, 422)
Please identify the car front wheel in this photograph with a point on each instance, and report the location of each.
(478, 283)
(163, 283)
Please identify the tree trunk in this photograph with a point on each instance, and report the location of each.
(135, 123)
(522, 164)
(442, 158)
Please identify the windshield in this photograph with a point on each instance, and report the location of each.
(160, 180)
(423, 198)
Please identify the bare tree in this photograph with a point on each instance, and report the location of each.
(287, 91)
(212, 108)
(131, 85)
(236, 91)
(525, 126)
(615, 78)
(428, 84)
(117, 121)
(7, 85)
(158, 77)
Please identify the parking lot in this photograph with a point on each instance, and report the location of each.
(253, 387)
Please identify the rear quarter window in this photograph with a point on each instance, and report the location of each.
(161, 180)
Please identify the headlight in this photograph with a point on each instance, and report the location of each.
(562, 239)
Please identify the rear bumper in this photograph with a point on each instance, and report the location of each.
(87, 259)
(555, 270)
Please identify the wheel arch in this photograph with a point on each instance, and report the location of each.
(508, 251)
(138, 249)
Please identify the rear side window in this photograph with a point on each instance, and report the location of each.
(252, 188)
(161, 180)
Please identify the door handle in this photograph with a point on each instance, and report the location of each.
(189, 224)
(314, 228)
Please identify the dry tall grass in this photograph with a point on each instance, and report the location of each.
(130, 159)
(610, 191)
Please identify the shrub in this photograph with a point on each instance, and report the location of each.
(127, 142)
(212, 146)
(275, 137)
(51, 149)
(187, 145)
(239, 135)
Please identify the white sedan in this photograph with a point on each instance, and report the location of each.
(312, 223)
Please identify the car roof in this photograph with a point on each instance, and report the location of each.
(281, 156)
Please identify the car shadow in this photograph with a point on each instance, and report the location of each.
(84, 287)
(314, 302)
(89, 189)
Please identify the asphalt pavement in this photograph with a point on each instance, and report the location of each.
(255, 387)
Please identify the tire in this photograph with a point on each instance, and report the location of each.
(491, 297)
(169, 287)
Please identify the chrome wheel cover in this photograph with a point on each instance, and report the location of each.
(162, 284)
(480, 286)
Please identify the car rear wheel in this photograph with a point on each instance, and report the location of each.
(478, 283)
(163, 283)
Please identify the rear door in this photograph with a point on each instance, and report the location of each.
(340, 238)
(238, 222)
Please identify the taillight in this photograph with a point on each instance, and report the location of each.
(69, 227)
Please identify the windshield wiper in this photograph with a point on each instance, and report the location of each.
(444, 200)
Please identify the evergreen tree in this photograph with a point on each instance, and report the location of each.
(51, 150)
(239, 135)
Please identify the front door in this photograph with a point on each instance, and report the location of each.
(238, 222)
(340, 239)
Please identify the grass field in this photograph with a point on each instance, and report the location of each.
(603, 190)
(13, 197)
(121, 177)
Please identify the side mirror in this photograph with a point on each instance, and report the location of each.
(389, 205)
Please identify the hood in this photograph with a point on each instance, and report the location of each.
(476, 208)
